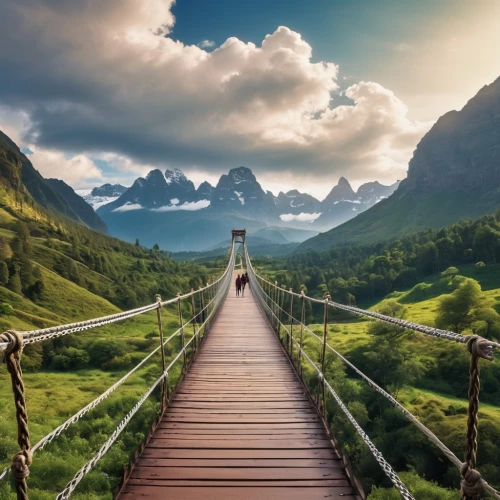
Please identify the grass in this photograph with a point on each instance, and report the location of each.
(53, 396)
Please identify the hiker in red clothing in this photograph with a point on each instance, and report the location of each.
(238, 285)
(243, 284)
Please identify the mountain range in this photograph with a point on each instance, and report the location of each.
(167, 209)
(454, 174)
(104, 194)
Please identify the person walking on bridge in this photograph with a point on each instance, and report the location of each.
(243, 284)
(238, 285)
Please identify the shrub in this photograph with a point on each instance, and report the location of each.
(6, 309)
(103, 350)
(70, 358)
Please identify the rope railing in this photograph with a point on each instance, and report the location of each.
(209, 299)
(486, 348)
(272, 302)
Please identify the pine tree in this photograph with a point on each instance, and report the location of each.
(4, 273)
(15, 283)
(137, 244)
(5, 250)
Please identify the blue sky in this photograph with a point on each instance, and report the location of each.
(344, 88)
(376, 40)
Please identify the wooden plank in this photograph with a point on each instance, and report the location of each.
(240, 425)
(237, 473)
(332, 483)
(231, 454)
(242, 462)
(132, 492)
(246, 444)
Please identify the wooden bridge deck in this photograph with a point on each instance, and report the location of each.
(240, 426)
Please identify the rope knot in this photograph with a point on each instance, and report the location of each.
(472, 483)
(480, 347)
(20, 465)
(15, 340)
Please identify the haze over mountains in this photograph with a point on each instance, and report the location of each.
(167, 209)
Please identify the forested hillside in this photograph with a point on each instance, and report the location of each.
(448, 278)
(56, 270)
(359, 273)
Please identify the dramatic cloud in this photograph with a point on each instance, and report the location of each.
(98, 76)
(54, 164)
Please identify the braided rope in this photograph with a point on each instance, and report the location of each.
(23, 458)
(386, 467)
(216, 301)
(77, 416)
(32, 336)
(427, 330)
(472, 482)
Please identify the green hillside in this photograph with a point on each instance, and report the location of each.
(408, 212)
(427, 375)
(54, 270)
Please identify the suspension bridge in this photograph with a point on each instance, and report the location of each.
(241, 421)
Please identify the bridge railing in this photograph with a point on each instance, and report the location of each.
(290, 327)
(203, 305)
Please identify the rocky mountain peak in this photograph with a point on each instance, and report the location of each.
(461, 150)
(175, 176)
(108, 190)
(342, 191)
(204, 191)
(242, 174)
(155, 177)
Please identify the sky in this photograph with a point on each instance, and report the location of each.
(301, 92)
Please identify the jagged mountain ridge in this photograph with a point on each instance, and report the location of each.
(171, 200)
(104, 194)
(454, 174)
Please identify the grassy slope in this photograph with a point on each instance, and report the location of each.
(54, 396)
(429, 402)
(404, 213)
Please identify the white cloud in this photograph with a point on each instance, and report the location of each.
(101, 80)
(128, 207)
(206, 44)
(55, 164)
(189, 206)
(302, 217)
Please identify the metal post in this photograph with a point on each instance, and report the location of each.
(278, 312)
(291, 324)
(202, 312)
(181, 326)
(321, 381)
(193, 315)
(281, 308)
(302, 323)
(162, 350)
